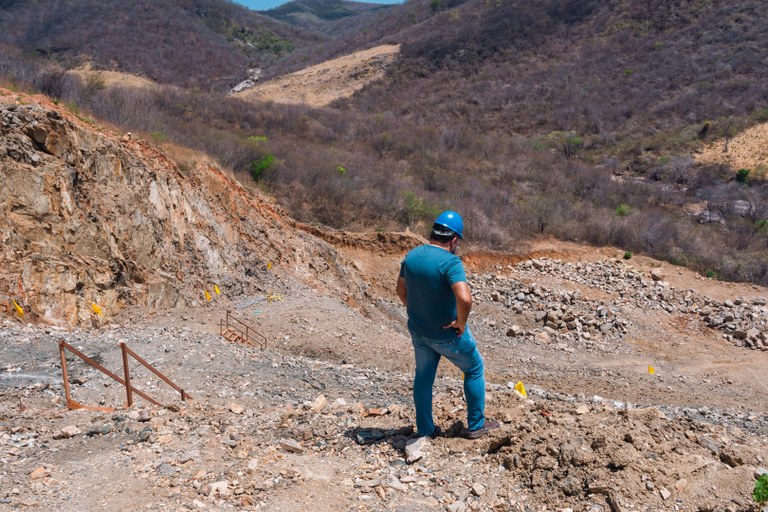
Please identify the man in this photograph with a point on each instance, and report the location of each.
(433, 286)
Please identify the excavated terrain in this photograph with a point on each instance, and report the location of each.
(647, 385)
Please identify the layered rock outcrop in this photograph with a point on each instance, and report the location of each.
(89, 218)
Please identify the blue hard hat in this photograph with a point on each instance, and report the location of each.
(451, 220)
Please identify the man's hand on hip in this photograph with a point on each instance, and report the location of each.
(456, 326)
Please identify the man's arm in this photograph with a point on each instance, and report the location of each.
(463, 307)
(401, 289)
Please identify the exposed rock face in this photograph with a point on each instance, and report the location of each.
(87, 219)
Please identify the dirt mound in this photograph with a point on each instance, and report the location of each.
(319, 85)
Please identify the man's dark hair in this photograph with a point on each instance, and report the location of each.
(441, 234)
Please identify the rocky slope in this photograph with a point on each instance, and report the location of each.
(87, 218)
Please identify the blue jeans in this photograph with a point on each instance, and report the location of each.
(463, 353)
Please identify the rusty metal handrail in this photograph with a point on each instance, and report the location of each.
(129, 388)
(245, 334)
(72, 404)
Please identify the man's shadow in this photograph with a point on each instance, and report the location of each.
(397, 438)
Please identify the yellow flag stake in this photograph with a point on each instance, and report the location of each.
(651, 370)
(19, 309)
(269, 265)
(96, 309)
(520, 388)
(207, 296)
(216, 289)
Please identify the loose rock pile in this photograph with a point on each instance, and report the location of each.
(562, 314)
(742, 321)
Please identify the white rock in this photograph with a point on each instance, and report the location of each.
(291, 446)
(319, 404)
(414, 449)
(67, 432)
(220, 488)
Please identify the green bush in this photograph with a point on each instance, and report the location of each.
(258, 167)
(341, 170)
(158, 137)
(627, 255)
(761, 116)
(760, 494)
(416, 208)
(623, 210)
(742, 175)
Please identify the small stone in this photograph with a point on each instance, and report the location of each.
(367, 484)
(99, 430)
(199, 504)
(291, 446)
(67, 432)
(582, 409)
(166, 469)
(39, 472)
(393, 483)
(414, 449)
(220, 488)
(478, 489)
(664, 493)
(319, 404)
(236, 408)
(457, 506)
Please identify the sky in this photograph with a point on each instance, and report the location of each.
(263, 5)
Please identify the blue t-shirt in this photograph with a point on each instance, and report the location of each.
(429, 273)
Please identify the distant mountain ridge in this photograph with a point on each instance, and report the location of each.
(317, 14)
(193, 43)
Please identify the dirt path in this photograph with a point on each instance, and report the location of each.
(319, 85)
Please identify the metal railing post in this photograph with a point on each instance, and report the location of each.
(64, 373)
(127, 373)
